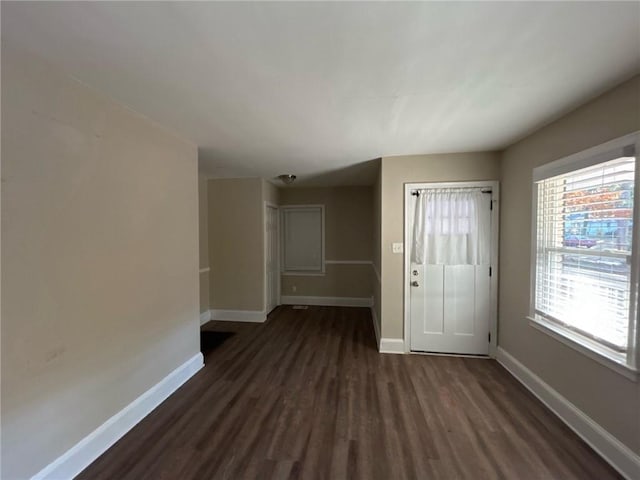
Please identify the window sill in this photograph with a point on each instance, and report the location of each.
(585, 347)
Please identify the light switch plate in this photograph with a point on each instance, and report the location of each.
(397, 247)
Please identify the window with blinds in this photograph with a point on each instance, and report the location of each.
(302, 239)
(583, 251)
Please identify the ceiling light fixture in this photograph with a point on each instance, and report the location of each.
(287, 179)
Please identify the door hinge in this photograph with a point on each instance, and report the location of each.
(490, 271)
(491, 205)
(489, 337)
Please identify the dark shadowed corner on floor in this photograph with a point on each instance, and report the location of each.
(209, 340)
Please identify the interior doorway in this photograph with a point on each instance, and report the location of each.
(451, 233)
(272, 262)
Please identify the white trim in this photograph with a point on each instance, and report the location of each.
(97, 442)
(374, 318)
(457, 355)
(621, 457)
(327, 301)
(302, 274)
(205, 270)
(494, 185)
(409, 209)
(268, 205)
(348, 262)
(205, 317)
(495, 266)
(255, 316)
(591, 349)
(392, 345)
(633, 346)
(331, 262)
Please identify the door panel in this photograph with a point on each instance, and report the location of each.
(459, 282)
(450, 304)
(430, 300)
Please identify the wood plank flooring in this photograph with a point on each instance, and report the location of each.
(307, 396)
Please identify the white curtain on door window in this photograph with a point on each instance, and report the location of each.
(447, 229)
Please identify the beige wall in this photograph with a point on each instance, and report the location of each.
(99, 260)
(270, 193)
(236, 210)
(396, 171)
(338, 281)
(348, 217)
(203, 230)
(205, 288)
(236, 239)
(605, 396)
(348, 227)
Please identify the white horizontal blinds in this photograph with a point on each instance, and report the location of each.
(583, 255)
(302, 239)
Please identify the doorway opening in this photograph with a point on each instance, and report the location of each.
(451, 268)
(271, 258)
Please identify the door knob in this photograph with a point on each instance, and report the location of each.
(414, 284)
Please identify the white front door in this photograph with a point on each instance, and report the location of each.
(272, 265)
(450, 305)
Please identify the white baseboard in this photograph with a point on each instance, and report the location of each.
(97, 442)
(391, 345)
(621, 457)
(255, 316)
(374, 318)
(327, 301)
(205, 317)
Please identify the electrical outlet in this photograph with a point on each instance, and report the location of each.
(293, 288)
(397, 247)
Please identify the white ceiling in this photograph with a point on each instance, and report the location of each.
(318, 89)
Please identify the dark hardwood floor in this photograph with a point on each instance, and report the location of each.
(306, 395)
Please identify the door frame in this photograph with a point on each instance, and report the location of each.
(267, 206)
(409, 208)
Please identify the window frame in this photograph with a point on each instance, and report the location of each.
(630, 366)
(283, 211)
